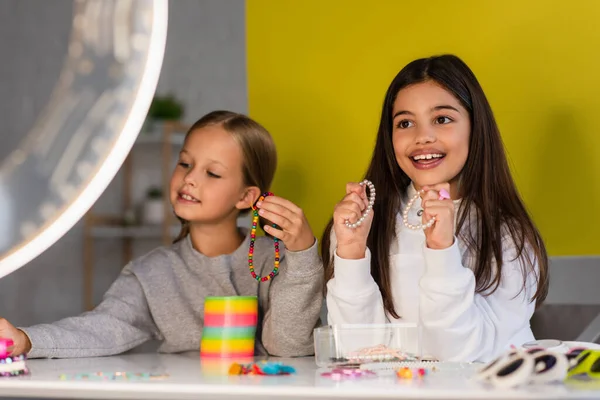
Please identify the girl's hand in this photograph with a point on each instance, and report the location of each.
(441, 234)
(352, 242)
(295, 232)
(21, 343)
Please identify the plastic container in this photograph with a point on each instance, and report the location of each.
(366, 343)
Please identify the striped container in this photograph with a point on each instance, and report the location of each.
(229, 327)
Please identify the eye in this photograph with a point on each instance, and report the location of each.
(183, 164)
(212, 175)
(404, 124)
(442, 120)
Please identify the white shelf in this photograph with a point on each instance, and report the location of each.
(134, 231)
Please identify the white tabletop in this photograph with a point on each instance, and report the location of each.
(188, 378)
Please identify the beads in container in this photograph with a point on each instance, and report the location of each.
(11, 365)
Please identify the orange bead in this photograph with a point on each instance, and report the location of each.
(405, 373)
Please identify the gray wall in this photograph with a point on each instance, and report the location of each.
(204, 66)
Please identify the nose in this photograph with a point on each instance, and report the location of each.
(189, 178)
(424, 135)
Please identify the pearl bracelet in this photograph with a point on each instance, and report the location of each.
(371, 187)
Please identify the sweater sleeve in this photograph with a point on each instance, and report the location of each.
(353, 297)
(295, 302)
(121, 322)
(459, 324)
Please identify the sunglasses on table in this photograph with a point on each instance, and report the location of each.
(586, 363)
(534, 365)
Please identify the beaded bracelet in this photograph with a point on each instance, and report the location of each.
(358, 223)
(253, 239)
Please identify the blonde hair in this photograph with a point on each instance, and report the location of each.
(258, 150)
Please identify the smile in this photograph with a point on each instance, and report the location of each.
(187, 198)
(427, 160)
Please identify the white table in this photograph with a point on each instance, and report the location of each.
(189, 379)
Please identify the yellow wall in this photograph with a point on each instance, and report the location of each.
(318, 71)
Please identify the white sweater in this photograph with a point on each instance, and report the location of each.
(436, 288)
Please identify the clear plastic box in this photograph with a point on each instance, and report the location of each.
(366, 343)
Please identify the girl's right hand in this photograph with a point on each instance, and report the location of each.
(352, 242)
(21, 345)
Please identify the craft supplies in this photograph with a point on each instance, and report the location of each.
(262, 368)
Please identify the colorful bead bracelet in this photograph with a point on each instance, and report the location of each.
(253, 239)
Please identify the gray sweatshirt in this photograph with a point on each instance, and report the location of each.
(161, 295)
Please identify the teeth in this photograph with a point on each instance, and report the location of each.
(427, 156)
(188, 197)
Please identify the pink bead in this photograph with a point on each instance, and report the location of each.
(4, 345)
(444, 194)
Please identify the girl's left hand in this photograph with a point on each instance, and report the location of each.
(295, 231)
(441, 234)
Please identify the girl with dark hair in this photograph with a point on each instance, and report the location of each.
(449, 243)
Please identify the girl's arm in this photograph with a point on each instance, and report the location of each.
(459, 324)
(353, 297)
(295, 301)
(121, 322)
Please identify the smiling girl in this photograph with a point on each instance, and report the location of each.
(449, 243)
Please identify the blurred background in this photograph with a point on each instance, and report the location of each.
(315, 73)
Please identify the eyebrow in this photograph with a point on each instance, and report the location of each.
(209, 160)
(436, 108)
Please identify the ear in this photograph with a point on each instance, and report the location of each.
(249, 197)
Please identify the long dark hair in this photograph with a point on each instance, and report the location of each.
(256, 143)
(486, 189)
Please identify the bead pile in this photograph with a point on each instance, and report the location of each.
(113, 376)
(358, 223)
(263, 368)
(338, 374)
(253, 239)
(378, 353)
